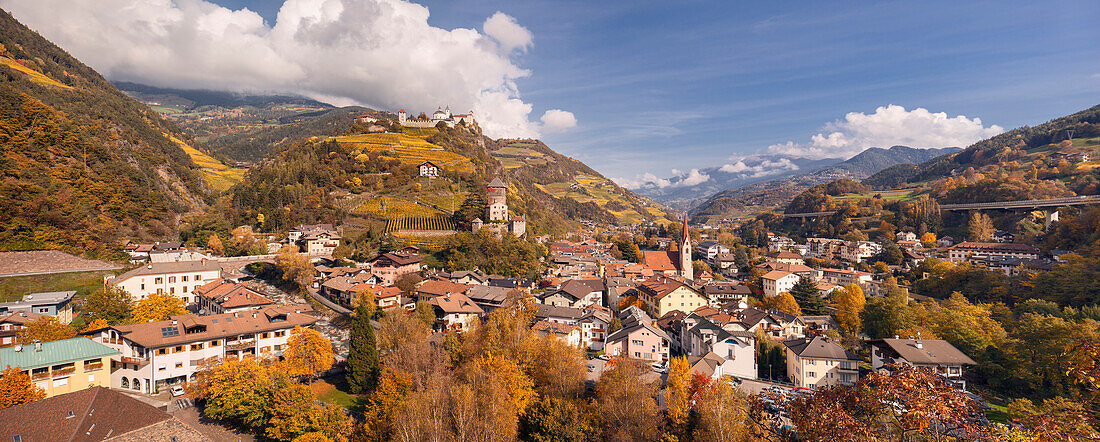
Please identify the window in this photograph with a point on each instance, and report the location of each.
(810, 374)
(196, 346)
(179, 364)
(162, 351)
(178, 349)
(162, 368)
(185, 289)
(158, 280)
(171, 290)
(280, 334)
(278, 347)
(198, 277)
(214, 343)
(44, 310)
(91, 378)
(59, 382)
(811, 362)
(159, 292)
(143, 286)
(171, 279)
(183, 278)
(265, 335)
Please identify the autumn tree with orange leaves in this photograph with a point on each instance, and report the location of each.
(16, 388)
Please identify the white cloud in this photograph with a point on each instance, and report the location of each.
(557, 120)
(763, 167)
(509, 34)
(649, 180)
(380, 53)
(889, 126)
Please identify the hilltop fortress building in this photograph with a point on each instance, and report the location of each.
(443, 115)
(496, 212)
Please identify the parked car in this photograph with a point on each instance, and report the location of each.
(604, 357)
(177, 391)
(660, 368)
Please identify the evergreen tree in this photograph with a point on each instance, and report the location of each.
(808, 297)
(362, 367)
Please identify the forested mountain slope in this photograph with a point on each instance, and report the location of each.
(82, 163)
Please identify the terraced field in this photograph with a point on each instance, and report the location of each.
(515, 155)
(420, 223)
(395, 208)
(423, 242)
(420, 132)
(217, 174)
(408, 149)
(601, 192)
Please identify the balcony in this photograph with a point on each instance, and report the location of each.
(111, 341)
(844, 369)
(64, 371)
(93, 366)
(133, 360)
(40, 376)
(240, 345)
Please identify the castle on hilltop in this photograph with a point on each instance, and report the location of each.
(443, 115)
(496, 211)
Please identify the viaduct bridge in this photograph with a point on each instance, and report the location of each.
(1002, 205)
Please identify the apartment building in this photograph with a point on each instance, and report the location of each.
(60, 367)
(819, 362)
(965, 250)
(778, 281)
(155, 354)
(56, 304)
(179, 279)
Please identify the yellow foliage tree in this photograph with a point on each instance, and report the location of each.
(215, 245)
(928, 239)
(158, 307)
(96, 325)
(849, 302)
(678, 393)
(783, 302)
(307, 352)
(16, 388)
(45, 329)
(295, 266)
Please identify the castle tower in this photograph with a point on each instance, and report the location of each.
(685, 253)
(497, 201)
(402, 116)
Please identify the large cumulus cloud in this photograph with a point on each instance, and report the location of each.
(380, 53)
(889, 126)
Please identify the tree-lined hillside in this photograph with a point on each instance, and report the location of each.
(82, 163)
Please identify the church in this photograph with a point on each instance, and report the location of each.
(676, 264)
(496, 212)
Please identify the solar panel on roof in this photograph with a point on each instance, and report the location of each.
(169, 332)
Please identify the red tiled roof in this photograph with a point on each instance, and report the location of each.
(660, 261)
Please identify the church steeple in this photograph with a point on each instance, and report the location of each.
(685, 252)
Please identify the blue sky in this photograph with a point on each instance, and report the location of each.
(656, 86)
(662, 85)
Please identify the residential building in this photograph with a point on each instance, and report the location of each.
(179, 279)
(12, 323)
(639, 338)
(857, 251)
(469, 277)
(487, 297)
(428, 169)
(726, 293)
(577, 293)
(906, 236)
(846, 276)
(736, 349)
(934, 354)
(823, 248)
(554, 313)
(819, 362)
(160, 353)
(964, 251)
(801, 270)
(93, 414)
(785, 257)
(569, 334)
(314, 239)
(64, 366)
(778, 281)
(710, 249)
(391, 266)
(664, 294)
(593, 326)
(434, 288)
(456, 311)
(221, 296)
(56, 304)
(726, 263)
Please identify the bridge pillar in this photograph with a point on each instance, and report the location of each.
(1052, 216)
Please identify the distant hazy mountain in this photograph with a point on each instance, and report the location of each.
(194, 98)
(759, 196)
(677, 193)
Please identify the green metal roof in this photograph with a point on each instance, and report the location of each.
(53, 353)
